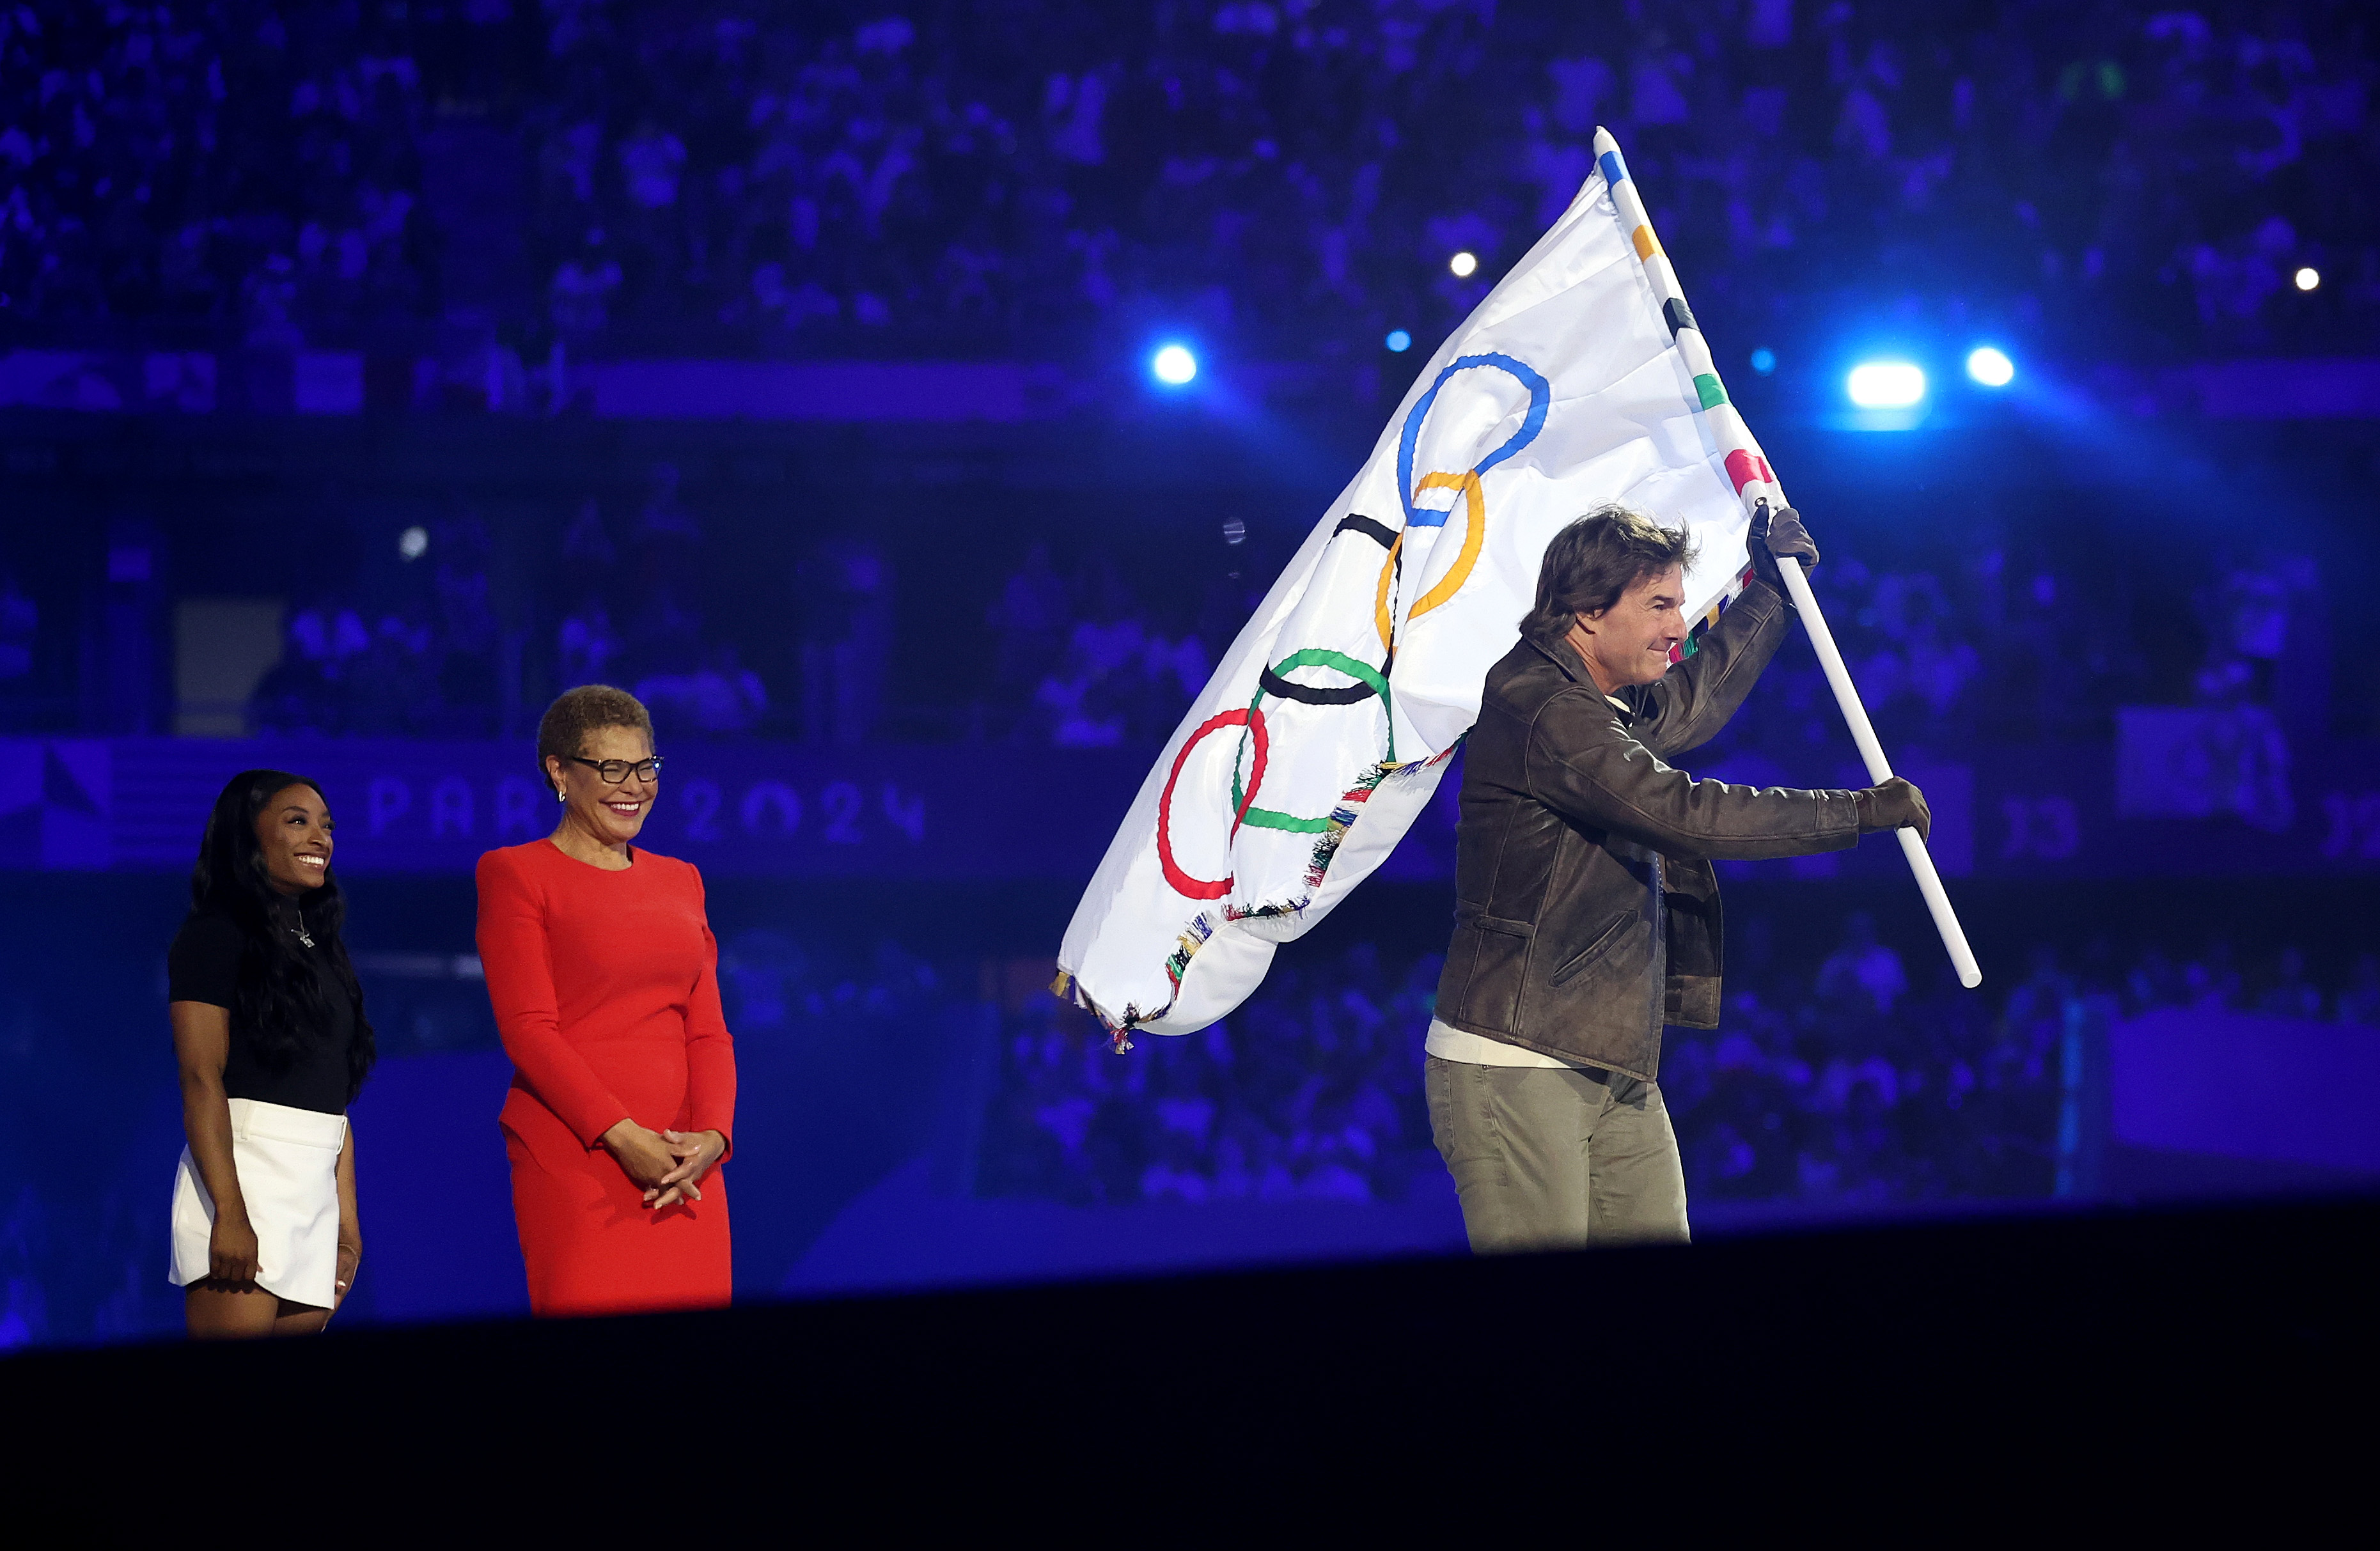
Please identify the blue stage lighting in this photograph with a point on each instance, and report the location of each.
(1886, 385)
(1991, 368)
(1399, 341)
(1173, 365)
(1763, 360)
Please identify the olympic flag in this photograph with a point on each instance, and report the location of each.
(1580, 379)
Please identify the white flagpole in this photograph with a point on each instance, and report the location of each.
(1879, 770)
(1755, 482)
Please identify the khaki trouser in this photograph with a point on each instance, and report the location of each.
(1554, 1158)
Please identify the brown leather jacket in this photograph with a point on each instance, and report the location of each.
(1586, 912)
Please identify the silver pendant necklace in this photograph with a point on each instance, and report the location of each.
(299, 927)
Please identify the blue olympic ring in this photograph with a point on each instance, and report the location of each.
(1540, 396)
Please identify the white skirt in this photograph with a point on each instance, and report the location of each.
(288, 1165)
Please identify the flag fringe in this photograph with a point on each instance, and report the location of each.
(1201, 929)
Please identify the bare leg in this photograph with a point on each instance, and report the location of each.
(223, 1311)
(301, 1319)
(228, 1311)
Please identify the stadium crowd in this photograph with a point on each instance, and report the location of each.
(1954, 644)
(715, 178)
(734, 178)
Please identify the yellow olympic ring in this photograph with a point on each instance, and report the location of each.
(1474, 509)
(1474, 531)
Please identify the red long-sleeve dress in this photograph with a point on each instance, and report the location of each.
(606, 993)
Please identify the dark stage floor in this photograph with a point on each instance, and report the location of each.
(2010, 1357)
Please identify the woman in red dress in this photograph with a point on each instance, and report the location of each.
(604, 979)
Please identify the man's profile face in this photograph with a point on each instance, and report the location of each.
(1631, 641)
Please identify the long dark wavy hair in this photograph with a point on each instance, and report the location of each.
(279, 1004)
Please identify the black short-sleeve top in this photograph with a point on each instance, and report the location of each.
(204, 965)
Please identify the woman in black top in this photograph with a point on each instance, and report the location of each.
(270, 1033)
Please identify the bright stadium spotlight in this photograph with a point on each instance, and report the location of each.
(1463, 263)
(1173, 365)
(2308, 278)
(1399, 342)
(413, 543)
(1991, 368)
(1886, 385)
(1763, 360)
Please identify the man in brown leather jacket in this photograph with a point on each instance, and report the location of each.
(1587, 911)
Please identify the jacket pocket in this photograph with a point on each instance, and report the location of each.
(1486, 964)
(1578, 962)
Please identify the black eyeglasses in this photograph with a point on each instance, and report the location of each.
(615, 772)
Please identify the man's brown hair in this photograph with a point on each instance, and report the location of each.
(562, 731)
(1595, 560)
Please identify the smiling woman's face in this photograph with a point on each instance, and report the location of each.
(294, 834)
(611, 815)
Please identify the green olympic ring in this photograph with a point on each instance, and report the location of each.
(1272, 683)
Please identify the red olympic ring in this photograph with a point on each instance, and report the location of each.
(1183, 882)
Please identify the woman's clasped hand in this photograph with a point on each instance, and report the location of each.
(667, 1165)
